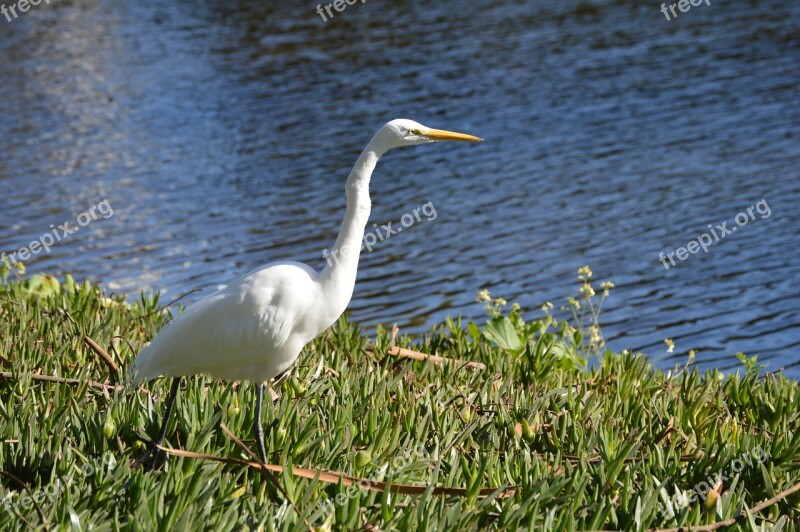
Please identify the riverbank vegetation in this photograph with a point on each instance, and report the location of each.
(524, 421)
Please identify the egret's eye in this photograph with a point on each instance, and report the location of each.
(415, 132)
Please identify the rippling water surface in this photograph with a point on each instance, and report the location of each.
(221, 136)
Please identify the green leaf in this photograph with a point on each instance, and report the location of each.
(502, 332)
(474, 331)
(767, 481)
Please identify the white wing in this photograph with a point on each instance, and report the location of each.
(252, 329)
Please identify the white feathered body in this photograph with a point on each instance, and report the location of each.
(253, 329)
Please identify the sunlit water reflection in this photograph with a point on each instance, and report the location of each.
(222, 136)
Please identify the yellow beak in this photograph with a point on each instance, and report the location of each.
(440, 134)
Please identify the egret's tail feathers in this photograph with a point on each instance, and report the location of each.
(140, 370)
(133, 380)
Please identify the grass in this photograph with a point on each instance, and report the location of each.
(564, 434)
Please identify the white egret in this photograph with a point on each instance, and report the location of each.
(254, 328)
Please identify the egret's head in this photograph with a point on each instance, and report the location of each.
(403, 132)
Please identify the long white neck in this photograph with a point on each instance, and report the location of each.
(339, 276)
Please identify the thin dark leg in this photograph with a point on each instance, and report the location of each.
(173, 393)
(152, 448)
(258, 428)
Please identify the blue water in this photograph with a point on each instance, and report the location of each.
(221, 135)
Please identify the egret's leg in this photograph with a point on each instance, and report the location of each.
(173, 393)
(152, 449)
(260, 429)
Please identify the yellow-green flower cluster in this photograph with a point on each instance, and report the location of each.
(607, 286)
(586, 290)
(595, 338)
(493, 306)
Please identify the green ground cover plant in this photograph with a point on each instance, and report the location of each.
(524, 422)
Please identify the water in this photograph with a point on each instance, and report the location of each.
(221, 137)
